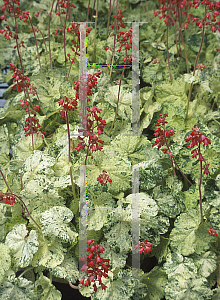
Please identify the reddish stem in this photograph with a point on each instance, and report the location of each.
(64, 44)
(87, 154)
(118, 96)
(5, 181)
(197, 57)
(13, 194)
(19, 55)
(37, 48)
(68, 130)
(49, 34)
(200, 182)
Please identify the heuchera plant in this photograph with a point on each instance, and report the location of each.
(93, 121)
(196, 138)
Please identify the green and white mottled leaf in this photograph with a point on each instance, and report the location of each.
(188, 236)
(38, 163)
(97, 217)
(68, 269)
(206, 263)
(183, 279)
(55, 222)
(5, 259)
(47, 289)
(119, 238)
(50, 254)
(191, 196)
(156, 282)
(14, 288)
(191, 289)
(150, 174)
(117, 260)
(22, 244)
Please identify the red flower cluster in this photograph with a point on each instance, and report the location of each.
(212, 232)
(71, 103)
(65, 4)
(7, 31)
(23, 82)
(74, 30)
(170, 11)
(92, 122)
(33, 122)
(95, 267)
(89, 132)
(143, 246)
(118, 17)
(125, 40)
(201, 67)
(102, 178)
(123, 37)
(91, 82)
(9, 7)
(197, 138)
(9, 199)
(161, 135)
(68, 105)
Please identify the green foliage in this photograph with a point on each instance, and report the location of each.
(184, 277)
(17, 288)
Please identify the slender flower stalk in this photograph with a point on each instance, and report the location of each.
(161, 138)
(38, 55)
(49, 34)
(197, 138)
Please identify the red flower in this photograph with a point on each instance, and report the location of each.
(212, 232)
(95, 267)
(143, 246)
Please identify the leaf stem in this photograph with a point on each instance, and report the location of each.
(13, 194)
(197, 57)
(49, 34)
(5, 181)
(200, 183)
(118, 97)
(28, 269)
(68, 131)
(42, 77)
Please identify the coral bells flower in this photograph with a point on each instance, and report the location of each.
(161, 135)
(200, 67)
(197, 138)
(9, 199)
(212, 232)
(95, 267)
(143, 246)
(103, 178)
(68, 105)
(34, 123)
(22, 81)
(90, 139)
